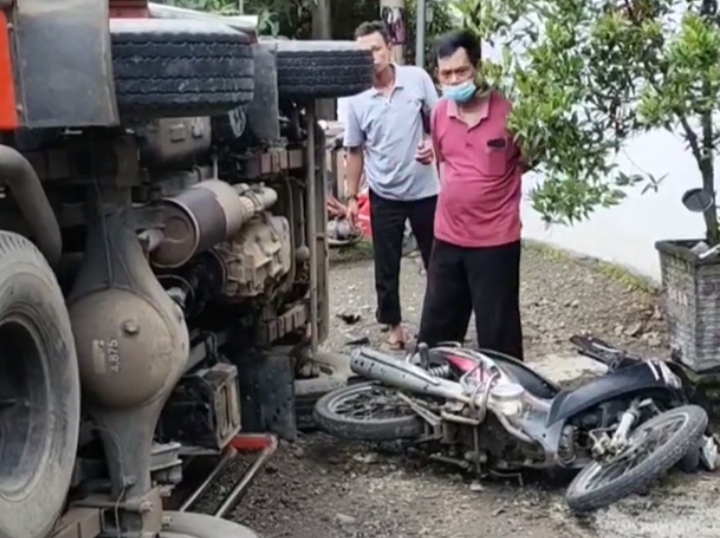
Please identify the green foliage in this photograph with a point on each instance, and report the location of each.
(442, 21)
(293, 18)
(216, 6)
(586, 76)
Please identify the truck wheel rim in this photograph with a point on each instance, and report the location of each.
(25, 411)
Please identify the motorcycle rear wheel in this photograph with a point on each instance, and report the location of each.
(687, 424)
(367, 412)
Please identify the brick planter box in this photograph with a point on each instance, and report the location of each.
(691, 289)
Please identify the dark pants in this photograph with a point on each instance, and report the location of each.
(388, 218)
(486, 280)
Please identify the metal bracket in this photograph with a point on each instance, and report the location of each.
(263, 443)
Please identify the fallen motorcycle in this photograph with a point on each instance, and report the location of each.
(493, 415)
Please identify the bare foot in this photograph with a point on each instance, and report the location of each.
(397, 338)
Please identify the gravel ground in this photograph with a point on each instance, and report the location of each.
(323, 488)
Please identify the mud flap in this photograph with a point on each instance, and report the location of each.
(63, 63)
(267, 392)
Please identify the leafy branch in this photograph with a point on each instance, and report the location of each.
(586, 76)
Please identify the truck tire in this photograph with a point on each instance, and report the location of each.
(322, 69)
(39, 393)
(190, 525)
(178, 68)
(334, 374)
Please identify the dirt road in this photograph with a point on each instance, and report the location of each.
(322, 488)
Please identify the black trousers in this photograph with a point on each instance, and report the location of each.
(388, 219)
(486, 280)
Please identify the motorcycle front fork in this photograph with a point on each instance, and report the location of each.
(619, 441)
(615, 444)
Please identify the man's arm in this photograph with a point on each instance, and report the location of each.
(354, 140)
(436, 146)
(429, 93)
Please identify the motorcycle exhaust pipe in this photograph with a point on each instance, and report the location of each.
(403, 375)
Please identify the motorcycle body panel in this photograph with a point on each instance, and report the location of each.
(532, 381)
(638, 378)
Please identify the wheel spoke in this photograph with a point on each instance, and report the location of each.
(371, 404)
(643, 442)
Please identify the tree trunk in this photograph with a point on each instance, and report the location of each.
(708, 10)
(707, 169)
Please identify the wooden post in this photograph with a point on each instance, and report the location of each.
(393, 13)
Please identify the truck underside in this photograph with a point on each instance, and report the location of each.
(163, 258)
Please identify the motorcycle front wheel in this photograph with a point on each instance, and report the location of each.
(654, 447)
(367, 412)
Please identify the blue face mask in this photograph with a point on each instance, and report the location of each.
(460, 93)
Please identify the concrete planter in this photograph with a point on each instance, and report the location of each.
(691, 289)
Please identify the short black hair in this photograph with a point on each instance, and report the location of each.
(373, 27)
(447, 44)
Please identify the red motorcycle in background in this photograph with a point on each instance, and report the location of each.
(342, 233)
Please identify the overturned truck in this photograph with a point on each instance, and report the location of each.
(163, 263)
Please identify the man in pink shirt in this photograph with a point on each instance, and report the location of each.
(475, 261)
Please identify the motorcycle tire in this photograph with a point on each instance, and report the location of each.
(40, 388)
(581, 499)
(180, 68)
(406, 426)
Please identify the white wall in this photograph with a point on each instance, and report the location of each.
(626, 234)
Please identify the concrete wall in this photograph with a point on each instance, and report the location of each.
(626, 234)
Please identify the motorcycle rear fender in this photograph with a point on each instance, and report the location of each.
(641, 377)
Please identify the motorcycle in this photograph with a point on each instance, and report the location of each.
(491, 414)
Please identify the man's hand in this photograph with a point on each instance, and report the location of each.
(425, 152)
(352, 211)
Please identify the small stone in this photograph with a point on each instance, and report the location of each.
(633, 329)
(270, 468)
(342, 519)
(349, 317)
(476, 486)
(370, 457)
(498, 511)
(306, 370)
(653, 339)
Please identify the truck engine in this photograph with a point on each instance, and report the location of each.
(163, 258)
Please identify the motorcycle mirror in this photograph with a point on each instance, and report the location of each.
(698, 200)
